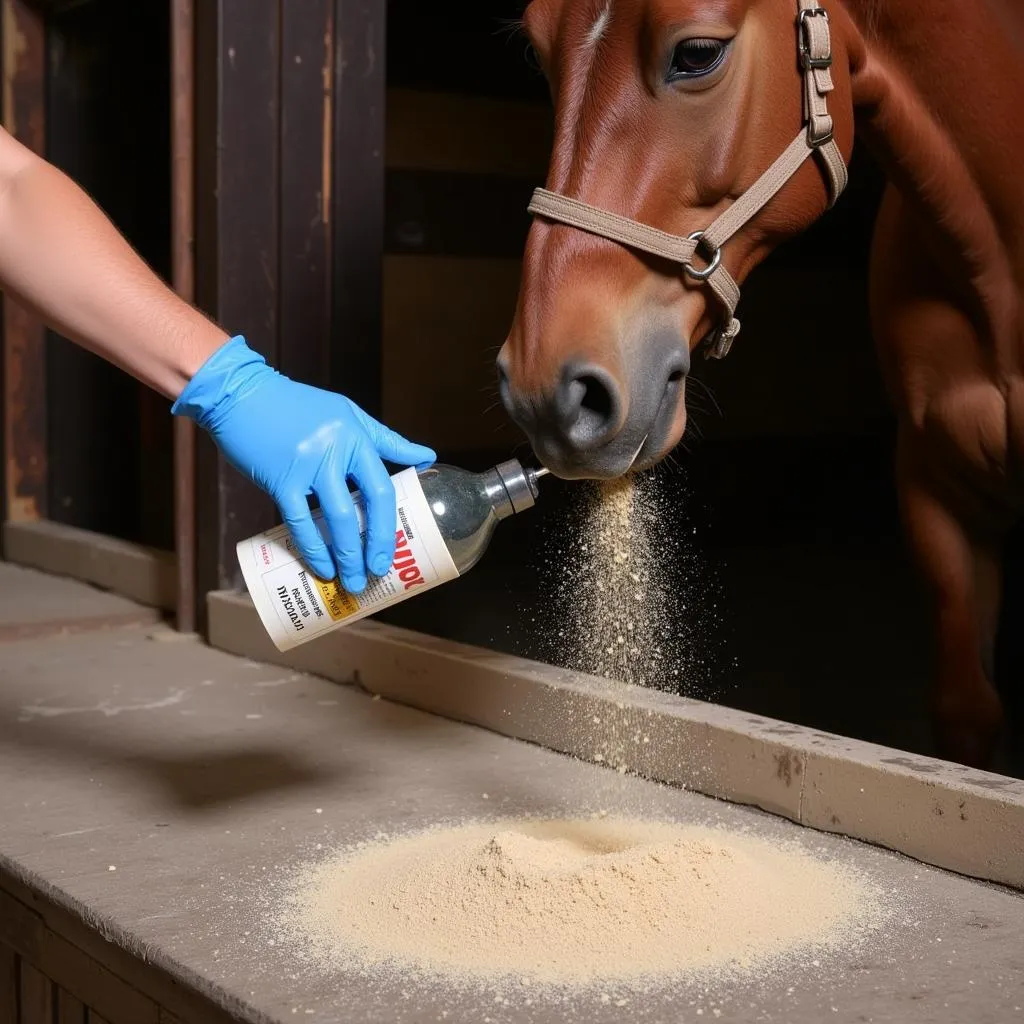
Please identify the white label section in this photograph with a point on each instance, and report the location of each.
(296, 607)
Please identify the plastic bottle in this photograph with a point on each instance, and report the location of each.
(445, 519)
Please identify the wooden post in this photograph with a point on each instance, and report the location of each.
(182, 230)
(238, 46)
(307, 65)
(24, 337)
(357, 239)
(289, 214)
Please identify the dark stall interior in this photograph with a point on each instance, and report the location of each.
(783, 485)
(108, 116)
(784, 480)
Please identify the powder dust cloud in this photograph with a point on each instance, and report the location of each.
(629, 596)
(569, 904)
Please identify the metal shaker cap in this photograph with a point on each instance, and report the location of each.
(520, 484)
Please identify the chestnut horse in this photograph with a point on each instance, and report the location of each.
(693, 136)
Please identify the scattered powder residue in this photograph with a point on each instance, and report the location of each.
(630, 597)
(574, 903)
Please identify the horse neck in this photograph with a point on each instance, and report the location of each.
(936, 84)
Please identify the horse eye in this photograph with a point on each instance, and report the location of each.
(694, 58)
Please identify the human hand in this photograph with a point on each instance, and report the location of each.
(293, 440)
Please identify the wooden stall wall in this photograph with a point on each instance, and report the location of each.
(25, 493)
(108, 116)
(86, 86)
(56, 969)
(289, 214)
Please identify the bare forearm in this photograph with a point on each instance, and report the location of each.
(61, 256)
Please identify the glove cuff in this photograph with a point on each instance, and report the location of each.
(220, 378)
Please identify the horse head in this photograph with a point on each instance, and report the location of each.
(682, 129)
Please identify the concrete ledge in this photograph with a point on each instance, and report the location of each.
(943, 814)
(145, 575)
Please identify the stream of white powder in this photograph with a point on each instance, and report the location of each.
(629, 596)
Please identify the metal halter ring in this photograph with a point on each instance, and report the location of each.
(716, 259)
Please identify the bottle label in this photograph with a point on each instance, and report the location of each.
(295, 606)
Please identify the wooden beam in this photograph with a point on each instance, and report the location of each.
(36, 1002)
(238, 47)
(183, 272)
(24, 337)
(360, 43)
(69, 1009)
(289, 213)
(10, 973)
(307, 48)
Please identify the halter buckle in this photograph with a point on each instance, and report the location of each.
(807, 62)
(817, 141)
(716, 258)
(721, 339)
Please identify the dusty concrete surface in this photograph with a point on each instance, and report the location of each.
(140, 573)
(33, 604)
(199, 777)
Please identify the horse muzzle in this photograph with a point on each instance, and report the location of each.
(591, 423)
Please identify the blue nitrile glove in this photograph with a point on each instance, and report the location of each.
(294, 440)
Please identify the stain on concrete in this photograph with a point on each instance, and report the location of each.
(784, 765)
(993, 783)
(914, 765)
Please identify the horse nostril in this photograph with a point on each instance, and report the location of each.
(588, 405)
(676, 376)
(597, 399)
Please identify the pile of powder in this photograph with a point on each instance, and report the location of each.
(629, 596)
(572, 903)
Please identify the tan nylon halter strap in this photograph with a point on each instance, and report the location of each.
(814, 46)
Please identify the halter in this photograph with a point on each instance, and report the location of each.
(814, 48)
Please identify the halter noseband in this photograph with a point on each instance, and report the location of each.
(814, 47)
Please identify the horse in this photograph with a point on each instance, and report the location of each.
(691, 138)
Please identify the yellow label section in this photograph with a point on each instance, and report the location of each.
(340, 604)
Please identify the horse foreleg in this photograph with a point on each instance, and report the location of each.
(963, 575)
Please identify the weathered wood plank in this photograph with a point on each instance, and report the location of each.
(10, 971)
(69, 1009)
(437, 131)
(108, 94)
(360, 40)
(66, 965)
(36, 1001)
(307, 43)
(183, 102)
(24, 346)
(237, 237)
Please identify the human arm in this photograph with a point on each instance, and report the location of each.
(62, 258)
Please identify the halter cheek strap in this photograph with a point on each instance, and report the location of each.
(814, 47)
